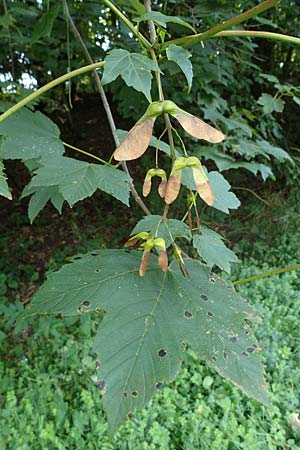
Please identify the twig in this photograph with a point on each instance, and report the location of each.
(47, 87)
(153, 37)
(106, 106)
(252, 192)
(9, 42)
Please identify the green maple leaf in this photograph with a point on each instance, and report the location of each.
(28, 135)
(211, 248)
(135, 69)
(77, 180)
(148, 319)
(4, 189)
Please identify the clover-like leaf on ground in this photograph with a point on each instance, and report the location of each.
(134, 68)
(213, 251)
(147, 320)
(28, 135)
(4, 189)
(77, 180)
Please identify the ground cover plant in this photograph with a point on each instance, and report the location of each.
(153, 301)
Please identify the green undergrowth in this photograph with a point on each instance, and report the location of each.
(49, 397)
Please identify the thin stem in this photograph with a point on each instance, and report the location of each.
(156, 149)
(49, 86)
(153, 36)
(252, 192)
(106, 106)
(213, 32)
(9, 42)
(129, 24)
(260, 34)
(86, 153)
(267, 274)
(181, 141)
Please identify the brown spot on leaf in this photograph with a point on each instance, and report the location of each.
(199, 129)
(210, 314)
(134, 394)
(97, 270)
(204, 297)
(188, 314)
(86, 303)
(136, 142)
(125, 394)
(101, 386)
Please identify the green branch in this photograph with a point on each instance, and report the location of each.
(49, 86)
(87, 154)
(267, 274)
(259, 34)
(188, 41)
(127, 22)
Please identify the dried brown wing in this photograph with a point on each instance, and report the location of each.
(147, 187)
(173, 188)
(136, 142)
(163, 260)
(199, 129)
(162, 188)
(206, 193)
(144, 263)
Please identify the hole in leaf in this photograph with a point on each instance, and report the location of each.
(86, 303)
(204, 297)
(213, 358)
(94, 254)
(98, 270)
(127, 251)
(250, 349)
(77, 257)
(130, 415)
(233, 339)
(134, 394)
(56, 270)
(97, 365)
(212, 280)
(101, 386)
(225, 355)
(188, 314)
(244, 353)
(162, 352)
(125, 394)
(210, 314)
(159, 385)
